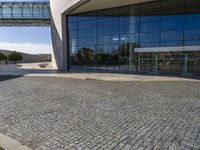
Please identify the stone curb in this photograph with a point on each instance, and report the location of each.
(10, 144)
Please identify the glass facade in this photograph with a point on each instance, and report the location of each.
(108, 39)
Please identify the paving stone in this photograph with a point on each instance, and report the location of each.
(55, 114)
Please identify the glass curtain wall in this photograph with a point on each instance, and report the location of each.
(107, 39)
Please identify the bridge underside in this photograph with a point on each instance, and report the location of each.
(25, 14)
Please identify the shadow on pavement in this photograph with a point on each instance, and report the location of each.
(8, 77)
(19, 70)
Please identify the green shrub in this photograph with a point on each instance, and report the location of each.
(15, 56)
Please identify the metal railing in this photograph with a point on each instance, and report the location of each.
(24, 13)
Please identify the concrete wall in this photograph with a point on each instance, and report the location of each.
(59, 10)
(58, 30)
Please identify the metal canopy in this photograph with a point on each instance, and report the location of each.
(25, 14)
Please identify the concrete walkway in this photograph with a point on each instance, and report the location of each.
(10, 144)
(34, 70)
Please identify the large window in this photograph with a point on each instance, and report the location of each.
(106, 39)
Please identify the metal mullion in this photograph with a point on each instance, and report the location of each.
(1, 7)
(12, 9)
(22, 11)
(43, 10)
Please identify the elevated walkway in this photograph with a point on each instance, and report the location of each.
(25, 13)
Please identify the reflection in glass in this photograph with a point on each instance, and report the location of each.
(107, 39)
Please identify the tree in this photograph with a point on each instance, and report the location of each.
(3, 57)
(15, 56)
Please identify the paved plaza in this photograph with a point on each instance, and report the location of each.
(47, 113)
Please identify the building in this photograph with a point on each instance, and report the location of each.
(148, 36)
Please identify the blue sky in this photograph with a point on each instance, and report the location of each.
(32, 40)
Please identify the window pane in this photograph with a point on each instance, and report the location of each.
(171, 36)
(150, 27)
(72, 26)
(174, 43)
(192, 34)
(108, 39)
(132, 28)
(108, 21)
(149, 37)
(87, 16)
(108, 31)
(87, 24)
(73, 43)
(152, 44)
(72, 34)
(192, 23)
(171, 4)
(87, 33)
(87, 41)
(72, 19)
(172, 24)
(129, 15)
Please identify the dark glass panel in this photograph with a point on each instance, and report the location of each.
(112, 39)
(171, 36)
(107, 55)
(172, 9)
(192, 35)
(87, 16)
(150, 8)
(172, 14)
(172, 24)
(72, 34)
(108, 13)
(174, 43)
(149, 18)
(166, 17)
(73, 59)
(192, 3)
(149, 37)
(132, 28)
(129, 20)
(86, 55)
(192, 23)
(87, 33)
(150, 27)
(87, 24)
(152, 44)
(150, 12)
(73, 42)
(130, 38)
(191, 42)
(108, 18)
(72, 26)
(108, 21)
(172, 4)
(87, 41)
(129, 15)
(72, 19)
(108, 31)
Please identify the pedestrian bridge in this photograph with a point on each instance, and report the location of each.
(16, 13)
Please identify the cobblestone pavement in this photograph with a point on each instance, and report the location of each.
(57, 114)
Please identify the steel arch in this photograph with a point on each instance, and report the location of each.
(25, 14)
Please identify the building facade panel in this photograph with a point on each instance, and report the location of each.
(159, 37)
